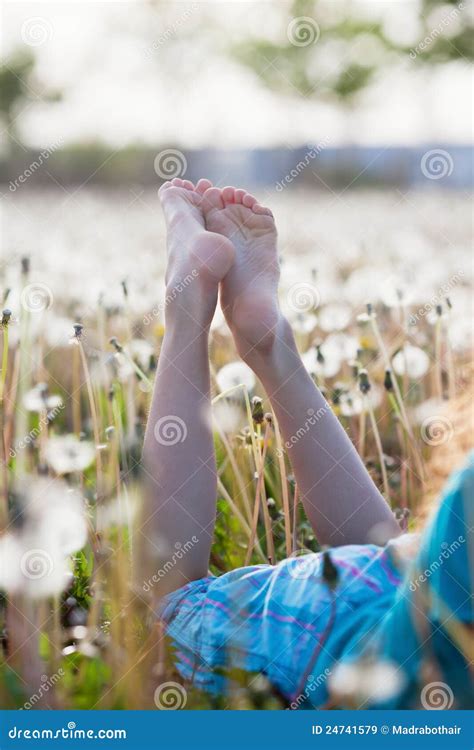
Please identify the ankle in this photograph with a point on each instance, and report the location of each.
(261, 352)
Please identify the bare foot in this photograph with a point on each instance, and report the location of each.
(198, 259)
(249, 290)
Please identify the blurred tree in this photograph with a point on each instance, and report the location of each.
(18, 86)
(314, 32)
(14, 86)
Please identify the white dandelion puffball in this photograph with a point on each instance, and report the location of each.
(428, 409)
(334, 317)
(366, 681)
(234, 374)
(353, 403)
(340, 345)
(10, 556)
(68, 454)
(328, 368)
(411, 360)
(53, 527)
(118, 512)
(303, 322)
(56, 513)
(38, 400)
(141, 351)
(227, 416)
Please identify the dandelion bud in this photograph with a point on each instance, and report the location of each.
(364, 383)
(268, 418)
(339, 389)
(388, 382)
(439, 310)
(78, 329)
(363, 319)
(329, 572)
(449, 304)
(116, 344)
(125, 288)
(6, 315)
(25, 265)
(43, 390)
(370, 309)
(319, 355)
(354, 365)
(257, 410)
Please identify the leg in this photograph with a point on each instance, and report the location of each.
(178, 454)
(341, 501)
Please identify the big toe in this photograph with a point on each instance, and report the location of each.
(212, 199)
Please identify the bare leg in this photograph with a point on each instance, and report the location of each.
(340, 499)
(178, 454)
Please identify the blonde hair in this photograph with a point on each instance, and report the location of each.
(451, 454)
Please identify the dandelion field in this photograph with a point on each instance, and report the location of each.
(377, 287)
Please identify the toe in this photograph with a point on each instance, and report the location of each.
(164, 186)
(177, 182)
(228, 194)
(188, 185)
(262, 210)
(212, 198)
(203, 185)
(249, 200)
(239, 194)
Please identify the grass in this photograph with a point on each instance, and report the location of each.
(90, 638)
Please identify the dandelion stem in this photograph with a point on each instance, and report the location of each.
(284, 486)
(3, 376)
(258, 496)
(94, 416)
(438, 354)
(295, 519)
(378, 443)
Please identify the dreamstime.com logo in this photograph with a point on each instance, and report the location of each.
(436, 32)
(437, 298)
(36, 31)
(71, 732)
(313, 418)
(303, 297)
(34, 433)
(171, 31)
(170, 163)
(436, 430)
(313, 684)
(36, 297)
(303, 31)
(436, 164)
(170, 696)
(170, 430)
(171, 296)
(36, 564)
(46, 684)
(181, 550)
(437, 696)
(35, 165)
(448, 550)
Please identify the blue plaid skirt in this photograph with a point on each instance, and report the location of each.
(285, 622)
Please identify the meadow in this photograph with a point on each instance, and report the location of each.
(377, 287)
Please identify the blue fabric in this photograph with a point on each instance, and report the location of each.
(272, 619)
(428, 625)
(284, 621)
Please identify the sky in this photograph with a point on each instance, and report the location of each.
(134, 72)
